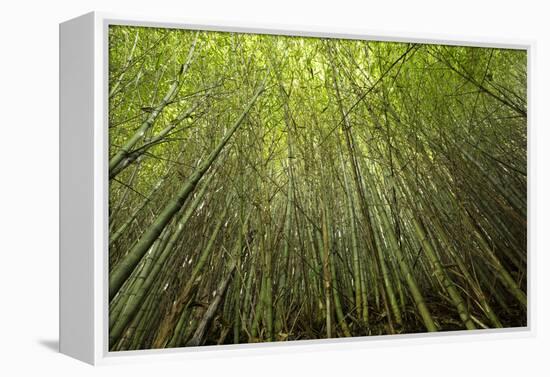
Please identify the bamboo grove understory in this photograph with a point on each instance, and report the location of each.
(274, 188)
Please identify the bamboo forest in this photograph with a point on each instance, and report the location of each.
(268, 188)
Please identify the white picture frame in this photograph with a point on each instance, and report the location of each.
(84, 195)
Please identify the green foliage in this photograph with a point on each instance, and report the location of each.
(268, 187)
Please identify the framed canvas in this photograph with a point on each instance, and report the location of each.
(258, 188)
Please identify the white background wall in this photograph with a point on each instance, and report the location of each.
(29, 185)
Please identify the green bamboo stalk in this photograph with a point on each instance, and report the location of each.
(125, 267)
